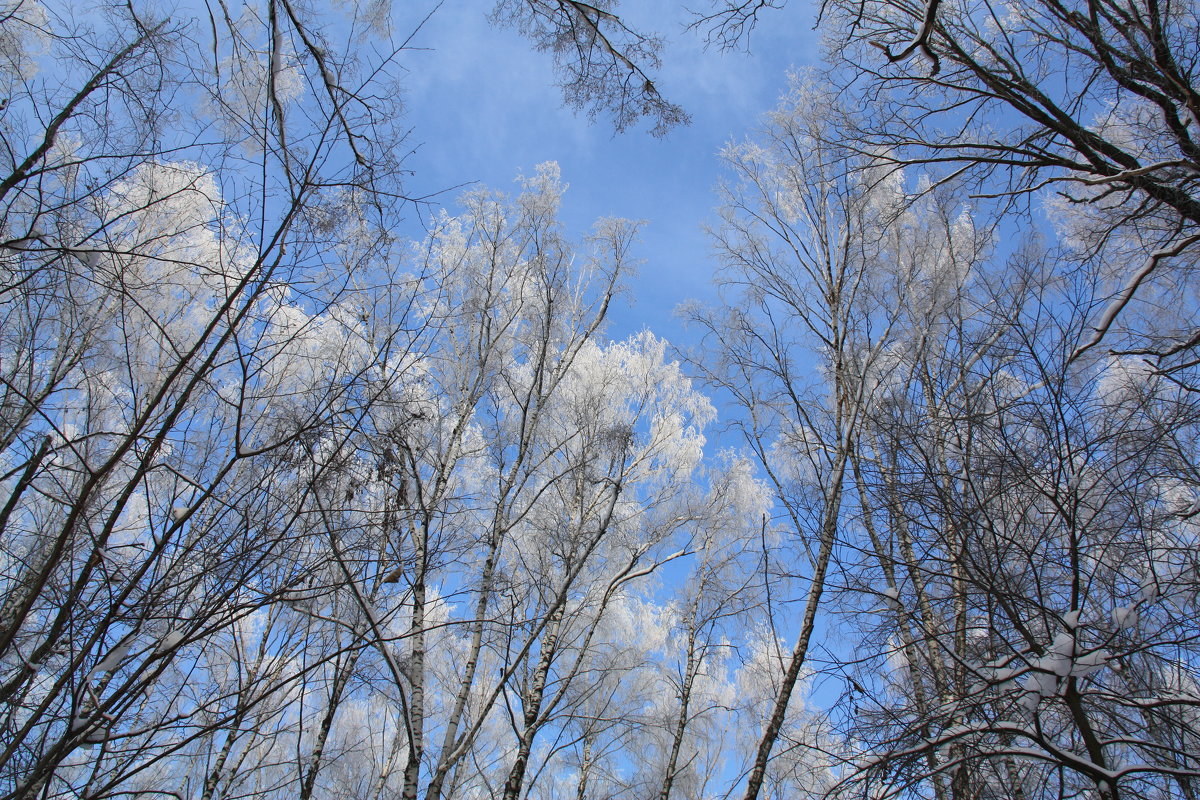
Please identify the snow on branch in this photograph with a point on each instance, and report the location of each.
(1118, 303)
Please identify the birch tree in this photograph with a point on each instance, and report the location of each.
(199, 223)
(801, 230)
(162, 381)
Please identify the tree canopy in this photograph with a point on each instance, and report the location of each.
(296, 503)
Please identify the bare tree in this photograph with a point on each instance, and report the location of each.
(1015, 512)
(803, 229)
(1094, 102)
(1113, 135)
(164, 387)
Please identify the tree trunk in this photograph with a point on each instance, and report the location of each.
(685, 697)
(533, 707)
(340, 679)
(779, 712)
(416, 676)
(450, 739)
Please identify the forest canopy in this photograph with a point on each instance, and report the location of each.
(296, 503)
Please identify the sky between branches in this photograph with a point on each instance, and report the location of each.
(483, 108)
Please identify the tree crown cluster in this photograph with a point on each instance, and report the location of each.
(293, 506)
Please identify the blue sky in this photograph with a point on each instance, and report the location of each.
(484, 107)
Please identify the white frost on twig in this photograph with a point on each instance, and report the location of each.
(1122, 298)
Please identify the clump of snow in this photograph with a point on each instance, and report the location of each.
(1125, 617)
(169, 642)
(1005, 677)
(1091, 662)
(1062, 660)
(113, 660)
(1191, 509)
(1042, 684)
(1058, 657)
(1149, 590)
